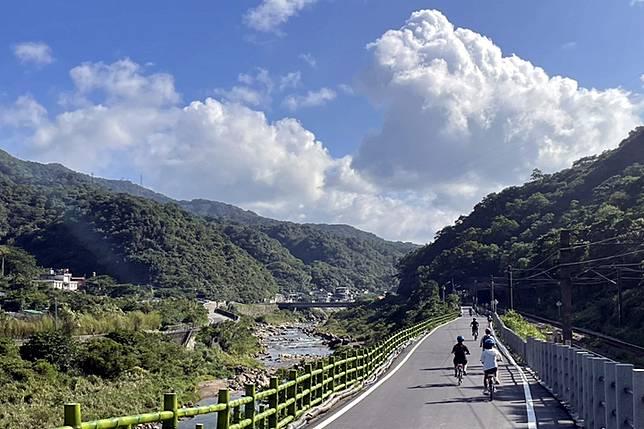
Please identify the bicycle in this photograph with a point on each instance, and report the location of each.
(475, 333)
(459, 373)
(491, 386)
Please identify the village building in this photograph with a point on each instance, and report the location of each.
(62, 279)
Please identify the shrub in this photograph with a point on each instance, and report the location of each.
(520, 326)
(106, 358)
(54, 347)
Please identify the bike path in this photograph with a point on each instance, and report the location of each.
(423, 393)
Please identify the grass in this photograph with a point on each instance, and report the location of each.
(281, 317)
(521, 327)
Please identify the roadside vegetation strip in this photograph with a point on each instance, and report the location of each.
(283, 402)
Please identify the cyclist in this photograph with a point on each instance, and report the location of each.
(460, 351)
(488, 335)
(489, 320)
(489, 358)
(475, 327)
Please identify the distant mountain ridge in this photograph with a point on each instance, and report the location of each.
(286, 256)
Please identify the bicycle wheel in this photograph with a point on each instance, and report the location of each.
(460, 376)
(492, 389)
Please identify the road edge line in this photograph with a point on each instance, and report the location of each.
(529, 405)
(359, 399)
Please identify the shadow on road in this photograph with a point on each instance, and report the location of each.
(428, 386)
(460, 400)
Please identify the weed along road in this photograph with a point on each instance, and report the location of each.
(421, 392)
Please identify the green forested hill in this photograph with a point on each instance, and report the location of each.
(138, 236)
(311, 255)
(77, 225)
(600, 199)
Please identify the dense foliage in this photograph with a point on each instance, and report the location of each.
(122, 373)
(600, 199)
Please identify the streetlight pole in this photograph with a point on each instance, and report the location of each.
(2, 269)
(510, 284)
(565, 284)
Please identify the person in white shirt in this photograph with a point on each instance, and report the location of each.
(489, 358)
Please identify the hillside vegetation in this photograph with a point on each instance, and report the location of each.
(600, 199)
(68, 219)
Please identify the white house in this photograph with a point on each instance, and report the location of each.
(62, 279)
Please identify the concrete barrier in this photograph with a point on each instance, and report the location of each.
(599, 392)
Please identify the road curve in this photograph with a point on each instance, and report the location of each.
(423, 394)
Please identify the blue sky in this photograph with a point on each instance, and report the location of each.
(204, 47)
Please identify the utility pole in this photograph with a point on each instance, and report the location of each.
(2, 270)
(492, 297)
(56, 312)
(619, 297)
(476, 293)
(565, 285)
(511, 287)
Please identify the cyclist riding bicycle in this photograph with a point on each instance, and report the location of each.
(460, 351)
(475, 327)
(487, 336)
(489, 358)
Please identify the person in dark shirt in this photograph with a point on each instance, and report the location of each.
(488, 334)
(460, 352)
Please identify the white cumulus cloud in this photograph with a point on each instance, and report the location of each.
(38, 53)
(460, 120)
(269, 15)
(124, 119)
(310, 99)
(458, 111)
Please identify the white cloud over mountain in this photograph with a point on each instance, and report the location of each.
(460, 113)
(460, 121)
(38, 53)
(269, 15)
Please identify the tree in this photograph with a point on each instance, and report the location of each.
(536, 175)
(55, 347)
(106, 358)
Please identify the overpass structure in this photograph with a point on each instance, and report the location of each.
(337, 304)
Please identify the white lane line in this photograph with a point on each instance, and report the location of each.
(357, 400)
(529, 406)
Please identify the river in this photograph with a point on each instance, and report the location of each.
(285, 345)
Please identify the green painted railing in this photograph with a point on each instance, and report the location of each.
(283, 402)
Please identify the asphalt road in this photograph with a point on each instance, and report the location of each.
(423, 393)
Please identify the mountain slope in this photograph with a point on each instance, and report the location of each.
(600, 197)
(70, 219)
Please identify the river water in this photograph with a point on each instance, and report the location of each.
(284, 347)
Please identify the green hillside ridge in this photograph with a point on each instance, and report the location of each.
(69, 219)
(599, 197)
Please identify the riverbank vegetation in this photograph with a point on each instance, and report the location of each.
(370, 322)
(124, 372)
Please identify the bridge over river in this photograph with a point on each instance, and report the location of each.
(420, 391)
(336, 304)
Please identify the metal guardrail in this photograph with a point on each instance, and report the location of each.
(283, 402)
(600, 392)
